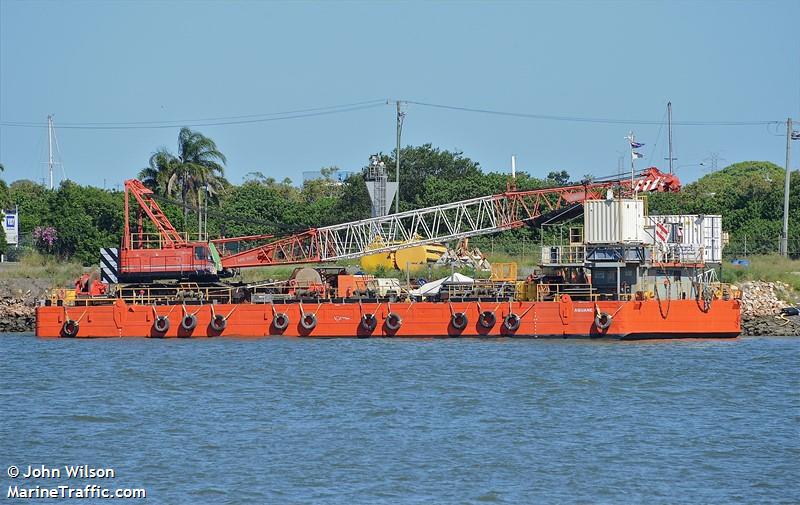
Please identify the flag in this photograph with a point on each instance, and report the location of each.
(635, 155)
(636, 145)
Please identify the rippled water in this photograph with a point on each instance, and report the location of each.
(412, 421)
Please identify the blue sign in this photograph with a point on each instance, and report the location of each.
(11, 221)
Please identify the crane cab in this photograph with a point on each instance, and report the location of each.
(192, 260)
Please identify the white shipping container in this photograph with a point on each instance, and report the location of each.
(700, 230)
(613, 221)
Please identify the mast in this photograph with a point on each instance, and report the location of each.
(50, 148)
(632, 141)
(669, 122)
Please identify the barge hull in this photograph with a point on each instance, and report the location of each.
(558, 319)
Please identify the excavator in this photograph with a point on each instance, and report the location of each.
(166, 255)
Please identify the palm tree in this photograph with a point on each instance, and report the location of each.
(197, 169)
(157, 174)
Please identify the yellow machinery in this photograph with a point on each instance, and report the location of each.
(504, 271)
(412, 257)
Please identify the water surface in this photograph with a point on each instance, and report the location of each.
(411, 421)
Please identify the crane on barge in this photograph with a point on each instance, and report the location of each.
(166, 254)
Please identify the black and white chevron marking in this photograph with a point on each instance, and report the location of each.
(109, 264)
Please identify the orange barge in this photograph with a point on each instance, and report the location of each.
(562, 318)
(623, 274)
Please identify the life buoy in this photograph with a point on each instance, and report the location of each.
(603, 320)
(189, 322)
(70, 328)
(393, 321)
(280, 321)
(161, 324)
(487, 319)
(511, 322)
(308, 322)
(459, 320)
(369, 322)
(219, 323)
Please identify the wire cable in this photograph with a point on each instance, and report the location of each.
(355, 106)
(257, 118)
(578, 119)
(658, 137)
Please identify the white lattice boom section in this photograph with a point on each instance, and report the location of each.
(441, 223)
(418, 227)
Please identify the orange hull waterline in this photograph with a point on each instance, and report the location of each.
(564, 318)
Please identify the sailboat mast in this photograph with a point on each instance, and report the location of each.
(50, 148)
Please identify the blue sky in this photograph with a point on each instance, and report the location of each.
(162, 61)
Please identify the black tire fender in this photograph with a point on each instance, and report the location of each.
(393, 321)
(189, 322)
(219, 323)
(603, 320)
(161, 324)
(459, 320)
(70, 328)
(280, 321)
(511, 322)
(369, 322)
(308, 321)
(487, 319)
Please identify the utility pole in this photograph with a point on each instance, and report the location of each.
(669, 123)
(787, 178)
(50, 148)
(400, 116)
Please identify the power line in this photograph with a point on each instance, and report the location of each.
(578, 119)
(230, 120)
(355, 106)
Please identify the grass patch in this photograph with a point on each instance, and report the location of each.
(34, 265)
(531, 258)
(765, 268)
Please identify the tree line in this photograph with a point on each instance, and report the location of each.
(73, 222)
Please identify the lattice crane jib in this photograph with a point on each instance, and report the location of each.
(441, 223)
(169, 236)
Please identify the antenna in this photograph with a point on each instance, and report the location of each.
(513, 166)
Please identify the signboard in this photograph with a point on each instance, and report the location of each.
(11, 226)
